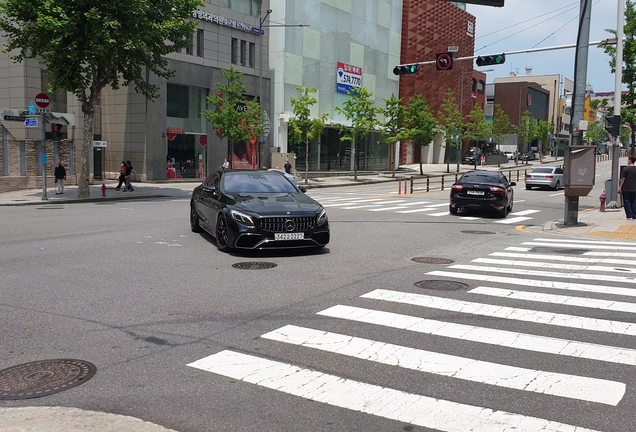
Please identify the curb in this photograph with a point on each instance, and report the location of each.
(84, 200)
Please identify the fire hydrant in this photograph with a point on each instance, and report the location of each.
(603, 198)
(103, 189)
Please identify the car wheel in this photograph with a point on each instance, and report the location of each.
(512, 202)
(194, 219)
(557, 186)
(503, 212)
(222, 234)
(452, 210)
(528, 187)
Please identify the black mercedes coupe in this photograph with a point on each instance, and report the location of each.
(257, 210)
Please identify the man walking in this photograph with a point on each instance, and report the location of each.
(627, 188)
(129, 170)
(60, 176)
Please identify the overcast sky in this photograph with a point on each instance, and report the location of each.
(544, 23)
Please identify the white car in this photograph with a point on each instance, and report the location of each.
(551, 177)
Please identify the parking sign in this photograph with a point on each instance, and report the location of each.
(31, 122)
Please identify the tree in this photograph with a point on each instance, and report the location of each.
(526, 132)
(393, 126)
(236, 118)
(596, 133)
(87, 45)
(475, 126)
(421, 126)
(542, 133)
(501, 125)
(303, 128)
(360, 110)
(450, 117)
(629, 65)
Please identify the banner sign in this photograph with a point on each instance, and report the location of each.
(226, 22)
(348, 77)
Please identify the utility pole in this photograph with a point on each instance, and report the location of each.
(618, 83)
(571, 211)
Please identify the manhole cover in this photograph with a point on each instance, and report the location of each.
(254, 265)
(441, 285)
(44, 377)
(476, 232)
(566, 251)
(432, 260)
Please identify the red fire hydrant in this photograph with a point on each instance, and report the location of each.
(603, 198)
(103, 189)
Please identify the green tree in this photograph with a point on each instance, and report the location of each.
(526, 132)
(303, 129)
(596, 133)
(542, 133)
(628, 65)
(88, 45)
(393, 126)
(421, 125)
(450, 117)
(236, 118)
(475, 126)
(360, 110)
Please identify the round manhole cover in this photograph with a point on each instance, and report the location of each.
(254, 265)
(441, 285)
(476, 232)
(432, 260)
(44, 377)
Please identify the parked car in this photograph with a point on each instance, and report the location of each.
(472, 157)
(551, 177)
(509, 155)
(528, 156)
(482, 190)
(257, 210)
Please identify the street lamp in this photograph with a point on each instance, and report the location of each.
(260, 76)
(461, 111)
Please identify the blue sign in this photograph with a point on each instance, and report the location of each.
(31, 108)
(43, 158)
(31, 122)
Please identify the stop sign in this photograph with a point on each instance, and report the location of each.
(42, 100)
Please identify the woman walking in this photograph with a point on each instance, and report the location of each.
(129, 169)
(122, 175)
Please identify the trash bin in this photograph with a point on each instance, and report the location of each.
(608, 192)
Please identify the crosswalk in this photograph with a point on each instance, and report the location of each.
(535, 277)
(409, 205)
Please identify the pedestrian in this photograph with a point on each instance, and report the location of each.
(60, 176)
(226, 164)
(129, 170)
(483, 160)
(287, 166)
(122, 175)
(627, 188)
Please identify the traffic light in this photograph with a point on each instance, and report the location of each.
(406, 69)
(56, 131)
(613, 125)
(496, 59)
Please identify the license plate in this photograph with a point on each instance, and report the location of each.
(473, 192)
(289, 236)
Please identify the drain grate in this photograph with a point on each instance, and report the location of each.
(43, 378)
(441, 285)
(254, 265)
(432, 260)
(477, 232)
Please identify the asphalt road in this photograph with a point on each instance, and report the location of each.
(129, 288)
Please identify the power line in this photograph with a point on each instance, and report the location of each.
(561, 28)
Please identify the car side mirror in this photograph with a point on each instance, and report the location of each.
(513, 184)
(209, 189)
(302, 189)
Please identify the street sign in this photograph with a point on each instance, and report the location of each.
(100, 144)
(42, 100)
(444, 61)
(267, 125)
(31, 122)
(31, 108)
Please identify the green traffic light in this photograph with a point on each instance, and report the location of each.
(412, 69)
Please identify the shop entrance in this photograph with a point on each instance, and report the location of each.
(186, 156)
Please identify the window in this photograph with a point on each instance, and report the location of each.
(244, 53)
(247, 7)
(252, 55)
(178, 101)
(480, 87)
(474, 85)
(200, 42)
(235, 51)
(190, 47)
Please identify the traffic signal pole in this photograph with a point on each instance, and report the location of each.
(43, 120)
(618, 81)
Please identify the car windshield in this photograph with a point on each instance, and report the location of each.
(542, 170)
(256, 182)
(480, 177)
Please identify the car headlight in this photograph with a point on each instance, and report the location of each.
(322, 219)
(242, 218)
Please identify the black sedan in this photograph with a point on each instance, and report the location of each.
(257, 210)
(482, 190)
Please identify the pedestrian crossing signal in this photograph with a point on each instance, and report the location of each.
(491, 60)
(406, 69)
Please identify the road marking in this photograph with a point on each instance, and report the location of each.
(470, 218)
(525, 212)
(602, 289)
(509, 313)
(611, 254)
(579, 246)
(371, 399)
(519, 249)
(439, 214)
(557, 194)
(437, 205)
(416, 203)
(540, 264)
(362, 206)
(519, 271)
(519, 201)
(336, 204)
(416, 210)
(564, 258)
(505, 338)
(513, 220)
(385, 209)
(548, 240)
(556, 384)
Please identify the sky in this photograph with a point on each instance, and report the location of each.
(525, 24)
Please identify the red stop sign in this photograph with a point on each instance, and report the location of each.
(42, 100)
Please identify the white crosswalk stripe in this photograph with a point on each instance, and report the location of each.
(484, 302)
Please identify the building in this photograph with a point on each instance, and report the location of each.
(164, 138)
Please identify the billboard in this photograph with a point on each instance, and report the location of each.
(348, 77)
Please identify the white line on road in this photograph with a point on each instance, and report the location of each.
(556, 299)
(557, 194)
(524, 212)
(439, 214)
(415, 203)
(416, 210)
(385, 209)
(518, 249)
(371, 399)
(361, 206)
(470, 218)
(513, 220)
(548, 240)
(530, 256)
(581, 246)
(509, 313)
(567, 286)
(505, 338)
(556, 384)
(437, 205)
(540, 264)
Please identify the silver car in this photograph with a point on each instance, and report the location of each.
(551, 177)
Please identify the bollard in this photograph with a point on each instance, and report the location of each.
(103, 189)
(399, 187)
(602, 199)
(404, 186)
